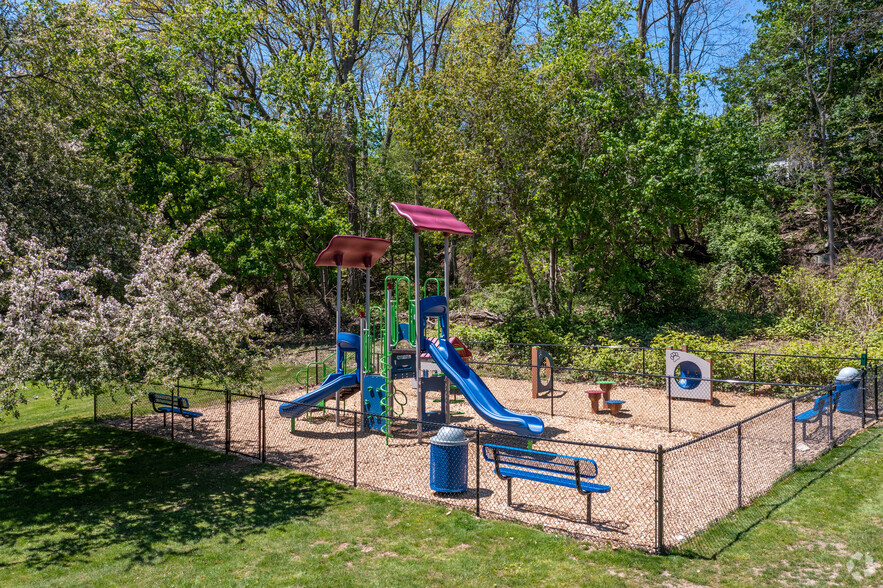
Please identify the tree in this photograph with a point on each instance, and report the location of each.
(626, 158)
(177, 319)
(810, 79)
(480, 124)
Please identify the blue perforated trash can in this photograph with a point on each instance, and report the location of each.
(849, 388)
(448, 460)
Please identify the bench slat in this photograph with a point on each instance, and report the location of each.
(187, 413)
(541, 461)
(165, 403)
(555, 480)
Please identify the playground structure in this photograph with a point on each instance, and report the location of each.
(347, 251)
(541, 361)
(434, 364)
(689, 376)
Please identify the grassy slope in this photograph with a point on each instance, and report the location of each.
(91, 505)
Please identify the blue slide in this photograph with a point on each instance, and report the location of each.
(333, 383)
(477, 392)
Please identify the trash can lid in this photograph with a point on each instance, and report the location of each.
(449, 436)
(847, 374)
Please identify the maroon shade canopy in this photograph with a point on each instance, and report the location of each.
(423, 218)
(352, 251)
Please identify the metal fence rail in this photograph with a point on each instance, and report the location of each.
(660, 497)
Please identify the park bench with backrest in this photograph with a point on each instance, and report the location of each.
(547, 468)
(821, 407)
(166, 403)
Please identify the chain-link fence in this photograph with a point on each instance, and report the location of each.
(654, 490)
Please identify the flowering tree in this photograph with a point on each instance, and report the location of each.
(177, 319)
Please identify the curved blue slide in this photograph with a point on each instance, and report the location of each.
(477, 393)
(333, 383)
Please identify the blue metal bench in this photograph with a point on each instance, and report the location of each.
(548, 468)
(166, 403)
(819, 409)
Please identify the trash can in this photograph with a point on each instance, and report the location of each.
(849, 390)
(448, 460)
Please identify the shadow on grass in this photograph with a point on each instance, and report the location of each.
(726, 532)
(69, 489)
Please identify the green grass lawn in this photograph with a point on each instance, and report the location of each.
(89, 505)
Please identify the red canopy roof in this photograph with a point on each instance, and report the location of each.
(352, 251)
(423, 218)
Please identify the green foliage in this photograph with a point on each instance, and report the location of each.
(849, 303)
(812, 80)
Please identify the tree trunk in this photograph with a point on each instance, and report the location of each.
(642, 11)
(531, 279)
(553, 279)
(574, 7)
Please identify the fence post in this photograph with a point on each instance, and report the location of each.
(477, 473)
(176, 392)
(864, 403)
(227, 410)
(262, 438)
(876, 392)
(95, 407)
(793, 433)
(660, 529)
(754, 370)
(668, 393)
(831, 416)
(131, 416)
(552, 401)
(739, 462)
(355, 449)
(644, 364)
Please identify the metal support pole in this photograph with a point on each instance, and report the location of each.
(131, 416)
(417, 337)
(316, 355)
(262, 439)
(754, 370)
(739, 464)
(644, 363)
(447, 263)
(660, 536)
(361, 412)
(552, 402)
(831, 416)
(793, 433)
(668, 393)
(368, 352)
(95, 407)
(876, 392)
(227, 409)
(477, 473)
(337, 323)
(174, 405)
(864, 403)
(337, 408)
(355, 450)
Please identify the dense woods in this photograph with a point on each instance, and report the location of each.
(577, 139)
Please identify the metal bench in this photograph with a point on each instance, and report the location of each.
(548, 468)
(166, 403)
(819, 409)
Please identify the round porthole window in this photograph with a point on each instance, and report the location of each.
(687, 375)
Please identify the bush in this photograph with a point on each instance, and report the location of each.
(849, 303)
